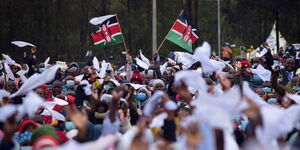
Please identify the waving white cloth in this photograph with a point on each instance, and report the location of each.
(277, 122)
(150, 105)
(31, 103)
(100, 20)
(141, 63)
(4, 93)
(46, 63)
(144, 58)
(22, 73)
(9, 72)
(185, 58)
(36, 80)
(191, 79)
(22, 44)
(263, 73)
(55, 115)
(104, 66)
(294, 97)
(203, 53)
(96, 64)
(8, 60)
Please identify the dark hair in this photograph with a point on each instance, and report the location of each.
(102, 104)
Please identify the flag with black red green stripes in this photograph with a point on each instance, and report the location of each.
(108, 31)
(182, 33)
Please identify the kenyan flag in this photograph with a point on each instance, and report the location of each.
(109, 31)
(182, 33)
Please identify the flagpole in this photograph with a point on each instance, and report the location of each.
(219, 30)
(154, 28)
(168, 33)
(122, 34)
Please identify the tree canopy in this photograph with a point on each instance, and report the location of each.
(61, 29)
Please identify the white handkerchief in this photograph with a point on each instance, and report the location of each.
(8, 60)
(99, 20)
(144, 59)
(36, 80)
(141, 63)
(96, 64)
(22, 44)
(31, 103)
(46, 63)
(263, 73)
(7, 111)
(59, 101)
(158, 121)
(263, 52)
(3, 93)
(294, 97)
(163, 68)
(191, 79)
(62, 65)
(136, 86)
(9, 72)
(202, 54)
(104, 66)
(150, 105)
(55, 115)
(185, 58)
(170, 105)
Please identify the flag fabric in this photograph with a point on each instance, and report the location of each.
(182, 33)
(108, 33)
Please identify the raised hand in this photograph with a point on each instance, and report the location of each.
(79, 118)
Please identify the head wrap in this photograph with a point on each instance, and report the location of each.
(158, 81)
(44, 136)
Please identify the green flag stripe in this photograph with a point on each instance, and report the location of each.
(116, 40)
(177, 39)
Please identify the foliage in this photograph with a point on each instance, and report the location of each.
(61, 29)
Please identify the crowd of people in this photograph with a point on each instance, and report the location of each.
(185, 101)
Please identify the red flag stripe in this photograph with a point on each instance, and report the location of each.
(115, 29)
(97, 37)
(194, 37)
(179, 27)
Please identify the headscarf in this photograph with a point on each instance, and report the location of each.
(44, 136)
(158, 81)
